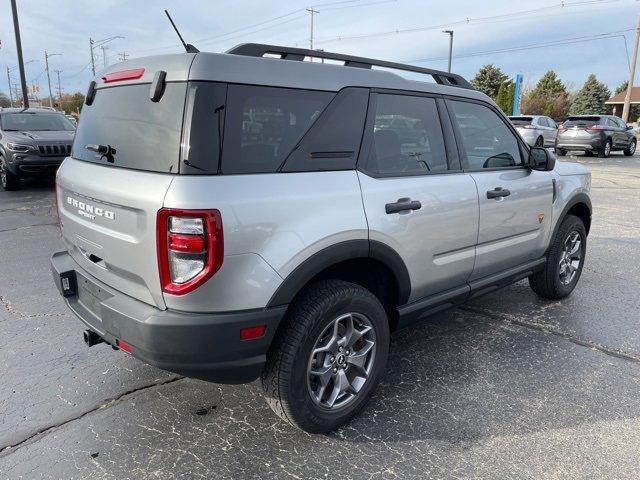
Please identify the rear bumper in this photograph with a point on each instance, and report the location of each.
(204, 346)
(25, 165)
(580, 144)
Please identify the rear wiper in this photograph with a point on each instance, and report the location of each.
(104, 150)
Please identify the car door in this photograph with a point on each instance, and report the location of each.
(621, 132)
(544, 129)
(552, 132)
(416, 198)
(515, 201)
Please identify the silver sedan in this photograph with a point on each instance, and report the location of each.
(536, 130)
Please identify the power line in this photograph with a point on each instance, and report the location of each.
(467, 21)
(550, 43)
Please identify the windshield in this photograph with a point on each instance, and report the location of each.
(581, 121)
(521, 121)
(36, 122)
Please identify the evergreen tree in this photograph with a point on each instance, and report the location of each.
(549, 86)
(488, 80)
(591, 97)
(504, 99)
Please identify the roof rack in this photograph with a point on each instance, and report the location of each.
(299, 54)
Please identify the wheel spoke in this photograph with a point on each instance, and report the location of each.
(358, 359)
(575, 248)
(331, 344)
(340, 387)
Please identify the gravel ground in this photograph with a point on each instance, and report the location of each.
(508, 386)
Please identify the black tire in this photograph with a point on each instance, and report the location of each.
(631, 149)
(539, 142)
(285, 379)
(547, 282)
(8, 181)
(588, 153)
(561, 152)
(606, 150)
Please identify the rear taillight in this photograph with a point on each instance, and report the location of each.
(561, 129)
(190, 248)
(595, 127)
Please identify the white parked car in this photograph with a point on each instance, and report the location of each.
(536, 130)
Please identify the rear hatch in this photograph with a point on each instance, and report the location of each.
(108, 202)
(522, 124)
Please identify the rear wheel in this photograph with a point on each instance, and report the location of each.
(539, 142)
(631, 149)
(327, 357)
(8, 180)
(564, 261)
(606, 150)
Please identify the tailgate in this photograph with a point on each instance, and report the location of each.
(108, 218)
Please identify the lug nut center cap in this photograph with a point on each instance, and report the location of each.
(341, 360)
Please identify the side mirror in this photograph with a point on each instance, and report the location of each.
(541, 159)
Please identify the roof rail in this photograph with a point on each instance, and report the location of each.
(292, 53)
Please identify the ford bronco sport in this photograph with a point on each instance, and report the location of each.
(252, 215)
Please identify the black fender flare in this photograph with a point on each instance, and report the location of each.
(348, 250)
(573, 201)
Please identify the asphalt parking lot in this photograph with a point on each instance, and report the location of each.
(509, 386)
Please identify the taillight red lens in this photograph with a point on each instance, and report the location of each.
(123, 75)
(596, 127)
(250, 333)
(124, 346)
(186, 243)
(190, 248)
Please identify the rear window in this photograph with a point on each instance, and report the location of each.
(581, 121)
(145, 134)
(521, 121)
(36, 122)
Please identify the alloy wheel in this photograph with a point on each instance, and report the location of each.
(570, 257)
(632, 148)
(607, 149)
(3, 174)
(341, 361)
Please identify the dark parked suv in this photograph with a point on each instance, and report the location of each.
(596, 134)
(33, 142)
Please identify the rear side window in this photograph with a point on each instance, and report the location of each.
(407, 136)
(263, 124)
(486, 139)
(144, 134)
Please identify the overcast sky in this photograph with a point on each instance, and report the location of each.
(481, 27)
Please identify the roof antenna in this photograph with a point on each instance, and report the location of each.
(187, 46)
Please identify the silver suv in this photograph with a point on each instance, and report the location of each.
(239, 216)
(536, 130)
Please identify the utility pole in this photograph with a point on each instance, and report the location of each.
(9, 83)
(632, 72)
(93, 61)
(59, 88)
(312, 12)
(23, 80)
(450, 32)
(46, 63)
(123, 56)
(104, 55)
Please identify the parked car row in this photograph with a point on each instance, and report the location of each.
(592, 134)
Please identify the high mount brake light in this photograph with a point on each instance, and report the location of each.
(190, 248)
(123, 75)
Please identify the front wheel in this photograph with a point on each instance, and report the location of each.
(327, 357)
(8, 180)
(631, 149)
(564, 261)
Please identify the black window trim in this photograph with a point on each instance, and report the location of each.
(367, 138)
(523, 147)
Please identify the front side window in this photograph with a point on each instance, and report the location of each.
(263, 124)
(486, 139)
(407, 136)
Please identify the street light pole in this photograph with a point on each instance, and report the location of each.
(46, 63)
(59, 89)
(450, 32)
(632, 71)
(16, 28)
(93, 62)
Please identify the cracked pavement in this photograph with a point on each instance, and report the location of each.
(508, 386)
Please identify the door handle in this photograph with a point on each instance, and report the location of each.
(498, 192)
(402, 205)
